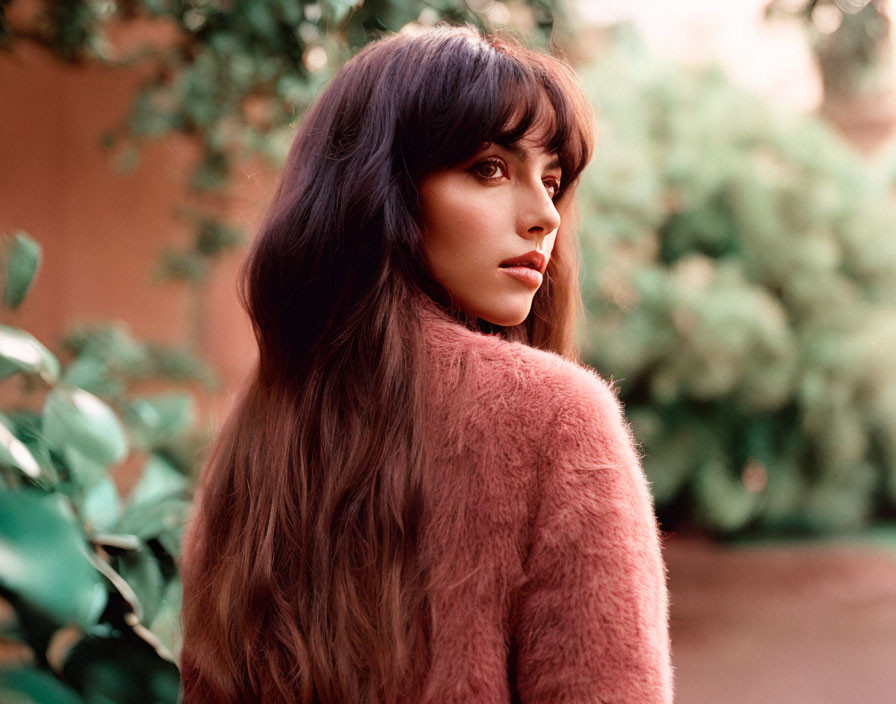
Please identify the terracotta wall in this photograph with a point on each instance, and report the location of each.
(102, 231)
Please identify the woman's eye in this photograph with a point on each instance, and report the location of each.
(553, 188)
(490, 170)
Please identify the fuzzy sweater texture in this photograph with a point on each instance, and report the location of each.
(543, 530)
(540, 533)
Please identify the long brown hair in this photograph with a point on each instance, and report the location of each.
(300, 576)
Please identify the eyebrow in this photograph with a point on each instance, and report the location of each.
(524, 155)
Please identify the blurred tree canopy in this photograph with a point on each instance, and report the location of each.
(741, 283)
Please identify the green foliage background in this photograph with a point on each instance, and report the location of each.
(92, 579)
(741, 283)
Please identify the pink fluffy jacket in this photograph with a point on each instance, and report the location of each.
(542, 531)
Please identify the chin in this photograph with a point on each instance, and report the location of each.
(506, 319)
(507, 311)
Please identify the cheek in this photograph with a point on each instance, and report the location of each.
(458, 223)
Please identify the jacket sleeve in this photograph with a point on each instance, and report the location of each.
(592, 617)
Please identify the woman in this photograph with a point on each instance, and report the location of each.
(422, 495)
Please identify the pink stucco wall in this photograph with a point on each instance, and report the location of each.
(102, 231)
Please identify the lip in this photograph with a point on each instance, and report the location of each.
(535, 258)
(525, 274)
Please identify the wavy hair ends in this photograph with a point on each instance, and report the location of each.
(301, 577)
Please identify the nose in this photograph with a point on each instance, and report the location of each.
(539, 216)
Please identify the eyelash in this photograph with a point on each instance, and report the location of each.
(493, 161)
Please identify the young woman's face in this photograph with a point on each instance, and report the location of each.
(496, 206)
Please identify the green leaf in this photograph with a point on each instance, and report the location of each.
(110, 343)
(148, 519)
(141, 571)
(162, 417)
(179, 364)
(166, 625)
(44, 558)
(158, 481)
(26, 424)
(32, 686)
(84, 472)
(21, 352)
(14, 453)
(74, 418)
(91, 373)
(23, 257)
(100, 506)
(172, 540)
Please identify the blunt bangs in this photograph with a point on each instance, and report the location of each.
(467, 91)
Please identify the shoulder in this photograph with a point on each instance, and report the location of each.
(574, 393)
(581, 416)
(559, 422)
(556, 399)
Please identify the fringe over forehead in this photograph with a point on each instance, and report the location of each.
(458, 90)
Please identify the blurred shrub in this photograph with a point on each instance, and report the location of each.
(92, 580)
(741, 283)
